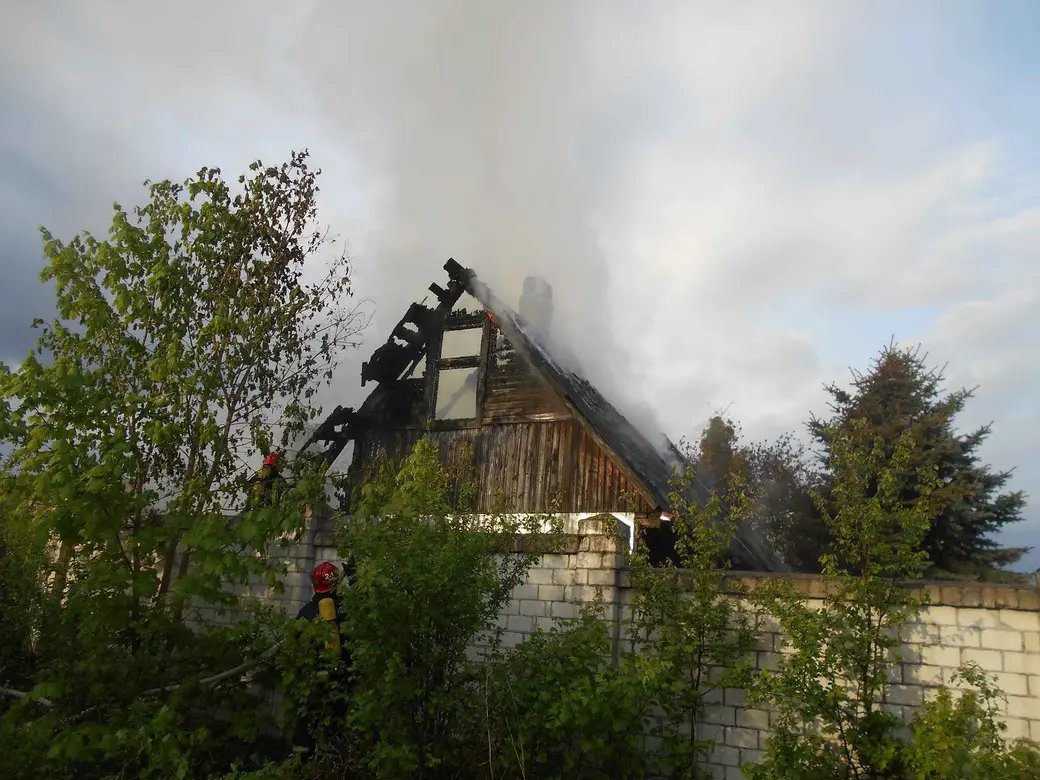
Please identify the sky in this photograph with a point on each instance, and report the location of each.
(735, 202)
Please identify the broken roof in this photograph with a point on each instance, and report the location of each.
(651, 466)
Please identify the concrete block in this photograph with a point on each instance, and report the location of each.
(989, 660)
(711, 732)
(609, 612)
(589, 560)
(598, 526)
(720, 714)
(1031, 641)
(938, 655)
(520, 623)
(600, 544)
(525, 592)
(925, 633)
(770, 661)
(540, 577)
(570, 576)
(551, 592)
(1017, 728)
(726, 755)
(1034, 686)
(910, 654)
(911, 695)
(1015, 685)
(741, 737)
(926, 675)
(1019, 621)
(995, 639)
(753, 719)
(1021, 663)
(735, 773)
(554, 561)
(940, 616)
(960, 636)
(979, 618)
(533, 608)
(734, 697)
(750, 756)
(578, 593)
(564, 610)
(545, 623)
(1034, 730)
(1022, 707)
(511, 640)
(601, 577)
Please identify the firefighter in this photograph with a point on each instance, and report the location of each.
(264, 482)
(332, 663)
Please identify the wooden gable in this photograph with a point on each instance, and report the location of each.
(531, 452)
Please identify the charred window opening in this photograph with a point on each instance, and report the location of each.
(456, 394)
(456, 368)
(461, 343)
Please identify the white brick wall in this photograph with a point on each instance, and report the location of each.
(996, 627)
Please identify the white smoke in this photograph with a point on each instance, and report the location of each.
(481, 121)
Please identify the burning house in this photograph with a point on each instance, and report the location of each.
(488, 382)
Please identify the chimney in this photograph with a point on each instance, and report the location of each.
(536, 305)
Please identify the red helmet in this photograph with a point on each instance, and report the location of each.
(325, 577)
(271, 459)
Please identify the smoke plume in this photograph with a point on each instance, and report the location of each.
(488, 126)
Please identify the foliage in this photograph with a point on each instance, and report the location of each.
(187, 337)
(834, 678)
(691, 638)
(24, 604)
(900, 394)
(429, 582)
(963, 739)
(558, 708)
(782, 519)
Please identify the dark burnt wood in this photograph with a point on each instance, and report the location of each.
(521, 467)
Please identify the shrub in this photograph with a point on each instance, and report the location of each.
(428, 584)
(962, 738)
(558, 708)
(829, 689)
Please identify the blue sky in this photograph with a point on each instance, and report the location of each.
(735, 202)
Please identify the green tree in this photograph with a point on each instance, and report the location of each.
(962, 738)
(829, 689)
(781, 517)
(690, 638)
(184, 341)
(898, 394)
(431, 580)
(784, 514)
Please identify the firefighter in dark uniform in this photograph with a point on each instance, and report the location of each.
(327, 695)
(266, 481)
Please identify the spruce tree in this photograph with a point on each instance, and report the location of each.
(901, 393)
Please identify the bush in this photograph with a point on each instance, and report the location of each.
(962, 738)
(558, 708)
(430, 580)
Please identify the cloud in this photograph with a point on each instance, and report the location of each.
(734, 202)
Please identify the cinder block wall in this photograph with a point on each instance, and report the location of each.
(997, 627)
